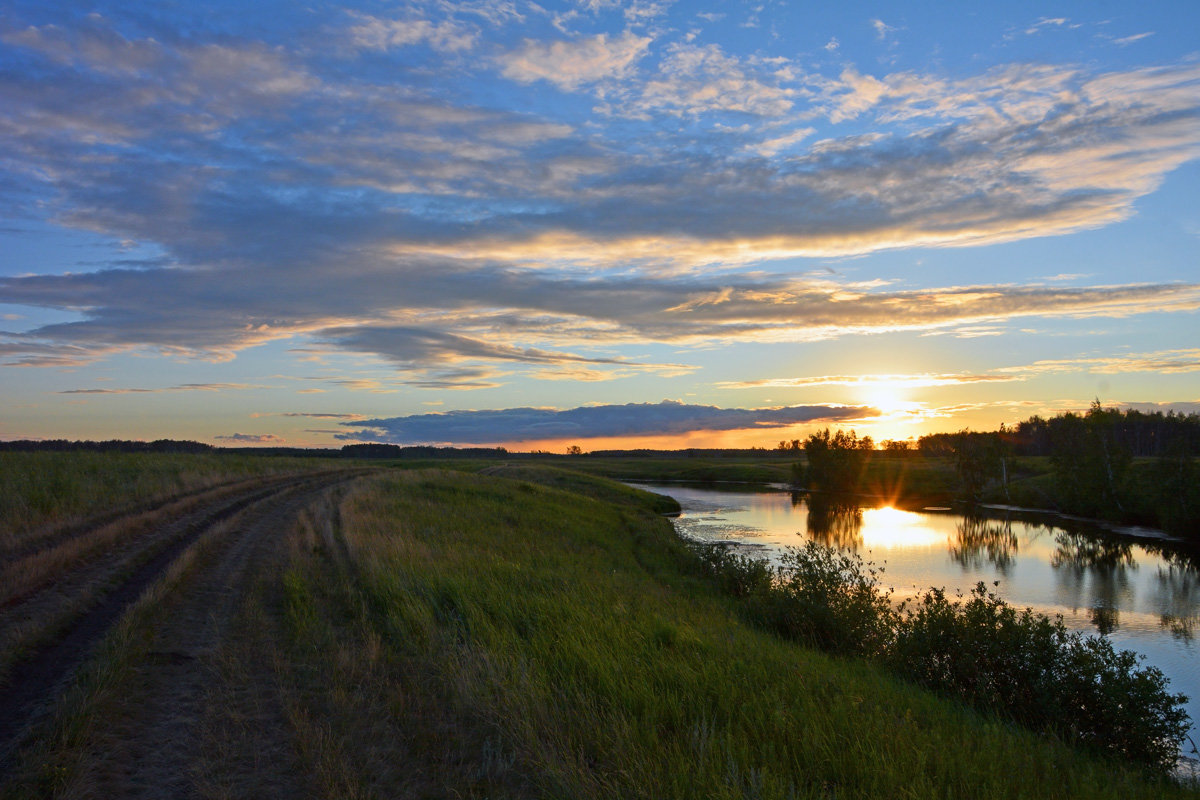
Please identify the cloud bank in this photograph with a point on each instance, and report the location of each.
(586, 422)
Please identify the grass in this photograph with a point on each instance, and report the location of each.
(767, 467)
(534, 633)
(525, 640)
(42, 490)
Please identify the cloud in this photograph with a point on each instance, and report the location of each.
(572, 64)
(696, 79)
(1181, 407)
(186, 387)
(462, 315)
(1167, 362)
(896, 381)
(374, 33)
(772, 146)
(252, 438)
(312, 415)
(882, 29)
(1137, 37)
(1046, 22)
(633, 419)
(382, 213)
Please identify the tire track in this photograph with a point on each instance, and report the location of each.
(49, 536)
(34, 682)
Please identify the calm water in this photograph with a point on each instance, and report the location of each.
(1141, 597)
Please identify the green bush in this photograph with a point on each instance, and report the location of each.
(821, 596)
(1030, 668)
(1016, 664)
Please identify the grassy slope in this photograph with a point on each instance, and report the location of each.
(504, 638)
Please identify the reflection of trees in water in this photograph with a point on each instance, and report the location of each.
(834, 521)
(1085, 553)
(1078, 556)
(979, 541)
(1106, 619)
(1178, 588)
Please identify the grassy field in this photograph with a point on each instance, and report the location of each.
(510, 638)
(768, 467)
(48, 489)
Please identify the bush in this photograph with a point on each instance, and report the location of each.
(980, 650)
(1033, 670)
(830, 599)
(824, 597)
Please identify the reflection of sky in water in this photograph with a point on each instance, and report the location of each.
(1143, 600)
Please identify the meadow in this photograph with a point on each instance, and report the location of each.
(524, 638)
(49, 490)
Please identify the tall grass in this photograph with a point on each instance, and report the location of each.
(525, 640)
(39, 489)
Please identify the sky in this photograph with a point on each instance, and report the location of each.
(608, 223)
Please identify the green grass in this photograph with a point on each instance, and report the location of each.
(519, 639)
(38, 489)
(769, 467)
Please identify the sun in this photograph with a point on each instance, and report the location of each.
(887, 396)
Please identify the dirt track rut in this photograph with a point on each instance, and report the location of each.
(256, 517)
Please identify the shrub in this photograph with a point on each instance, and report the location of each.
(980, 650)
(1031, 669)
(831, 599)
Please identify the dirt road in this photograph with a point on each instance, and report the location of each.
(183, 575)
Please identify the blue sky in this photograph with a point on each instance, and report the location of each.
(722, 224)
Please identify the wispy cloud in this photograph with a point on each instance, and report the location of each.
(375, 33)
(310, 414)
(1137, 37)
(882, 29)
(185, 387)
(1045, 23)
(251, 438)
(895, 381)
(571, 64)
(633, 419)
(1168, 362)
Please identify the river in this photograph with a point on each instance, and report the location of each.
(1134, 591)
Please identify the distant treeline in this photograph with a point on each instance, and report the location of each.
(1138, 433)
(1088, 465)
(183, 446)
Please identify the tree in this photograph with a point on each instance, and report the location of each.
(836, 460)
(574, 450)
(978, 459)
(1090, 462)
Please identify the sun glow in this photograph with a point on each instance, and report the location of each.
(887, 396)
